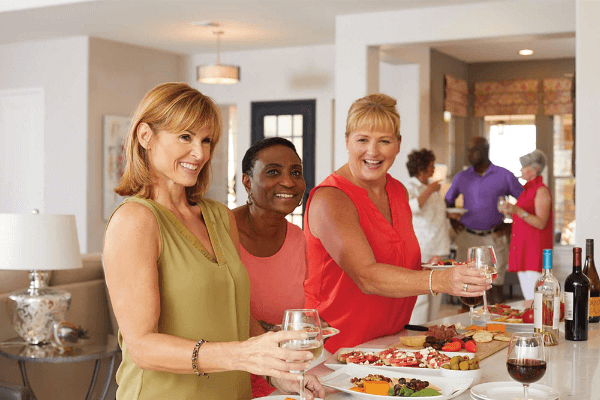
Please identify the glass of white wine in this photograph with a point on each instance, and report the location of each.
(484, 259)
(308, 321)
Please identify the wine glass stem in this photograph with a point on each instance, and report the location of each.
(302, 394)
(485, 306)
(526, 390)
(471, 314)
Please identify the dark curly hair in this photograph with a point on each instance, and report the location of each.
(252, 153)
(419, 160)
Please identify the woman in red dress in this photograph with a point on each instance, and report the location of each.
(532, 224)
(364, 258)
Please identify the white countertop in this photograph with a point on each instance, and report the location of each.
(572, 367)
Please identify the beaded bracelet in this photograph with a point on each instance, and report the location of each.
(195, 358)
(430, 289)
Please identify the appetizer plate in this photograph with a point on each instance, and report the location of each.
(456, 210)
(512, 390)
(340, 380)
(281, 397)
(329, 332)
(436, 266)
(333, 363)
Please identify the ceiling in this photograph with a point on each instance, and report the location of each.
(247, 25)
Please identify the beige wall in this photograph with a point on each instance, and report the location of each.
(119, 76)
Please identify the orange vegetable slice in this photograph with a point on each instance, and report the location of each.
(357, 389)
(377, 387)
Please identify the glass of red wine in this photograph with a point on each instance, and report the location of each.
(471, 302)
(526, 359)
(483, 258)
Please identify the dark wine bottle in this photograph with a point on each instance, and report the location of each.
(590, 271)
(577, 301)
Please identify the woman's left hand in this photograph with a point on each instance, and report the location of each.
(435, 260)
(314, 389)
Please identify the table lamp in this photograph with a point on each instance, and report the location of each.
(38, 243)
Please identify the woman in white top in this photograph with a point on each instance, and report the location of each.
(430, 222)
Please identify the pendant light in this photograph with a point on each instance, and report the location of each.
(218, 74)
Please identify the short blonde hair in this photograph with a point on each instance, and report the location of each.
(173, 107)
(374, 112)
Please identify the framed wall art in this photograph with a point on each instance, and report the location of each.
(114, 132)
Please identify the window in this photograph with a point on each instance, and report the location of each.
(564, 181)
(510, 137)
(295, 121)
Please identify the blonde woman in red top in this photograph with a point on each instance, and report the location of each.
(364, 258)
(532, 223)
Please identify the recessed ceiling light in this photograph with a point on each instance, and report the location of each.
(525, 52)
(205, 23)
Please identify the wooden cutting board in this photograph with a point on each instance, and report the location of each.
(484, 350)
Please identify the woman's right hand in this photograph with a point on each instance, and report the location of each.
(454, 280)
(262, 355)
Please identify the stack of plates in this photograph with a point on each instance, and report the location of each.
(511, 391)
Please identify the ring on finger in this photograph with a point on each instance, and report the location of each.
(465, 287)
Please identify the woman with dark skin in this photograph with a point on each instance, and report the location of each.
(272, 177)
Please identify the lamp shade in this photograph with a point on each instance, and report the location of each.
(39, 242)
(218, 74)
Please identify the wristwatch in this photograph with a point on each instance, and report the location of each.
(524, 215)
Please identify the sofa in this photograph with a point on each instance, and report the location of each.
(90, 309)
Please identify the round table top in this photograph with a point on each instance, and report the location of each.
(16, 349)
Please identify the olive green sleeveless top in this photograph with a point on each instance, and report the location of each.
(200, 298)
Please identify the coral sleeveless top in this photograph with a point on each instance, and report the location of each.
(526, 242)
(358, 316)
(200, 298)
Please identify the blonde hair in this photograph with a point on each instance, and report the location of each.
(173, 107)
(374, 112)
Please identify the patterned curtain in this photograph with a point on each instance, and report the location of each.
(455, 96)
(557, 96)
(506, 97)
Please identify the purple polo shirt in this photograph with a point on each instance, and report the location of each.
(481, 195)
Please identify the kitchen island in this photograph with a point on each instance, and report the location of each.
(573, 368)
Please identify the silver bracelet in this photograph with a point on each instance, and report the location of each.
(195, 358)
(430, 289)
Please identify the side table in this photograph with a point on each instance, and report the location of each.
(14, 349)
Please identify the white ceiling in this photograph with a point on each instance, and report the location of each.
(247, 25)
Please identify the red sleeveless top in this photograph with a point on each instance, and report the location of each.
(358, 316)
(526, 242)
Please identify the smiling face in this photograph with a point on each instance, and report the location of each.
(277, 183)
(178, 157)
(371, 153)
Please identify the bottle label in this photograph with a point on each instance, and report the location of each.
(556, 315)
(594, 306)
(568, 306)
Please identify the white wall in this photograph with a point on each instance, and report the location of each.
(292, 73)
(587, 190)
(402, 83)
(60, 68)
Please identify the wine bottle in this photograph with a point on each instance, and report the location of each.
(577, 301)
(546, 302)
(590, 271)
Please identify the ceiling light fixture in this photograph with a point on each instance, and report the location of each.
(526, 52)
(219, 74)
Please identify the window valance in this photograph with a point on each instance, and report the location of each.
(557, 96)
(506, 97)
(455, 96)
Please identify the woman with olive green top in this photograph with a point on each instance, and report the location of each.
(198, 296)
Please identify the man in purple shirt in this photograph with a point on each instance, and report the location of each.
(482, 224)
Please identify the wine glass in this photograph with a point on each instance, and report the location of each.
(471, 302)
(484, 259)
(308, 321)
(501, 203)
(526, 359)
